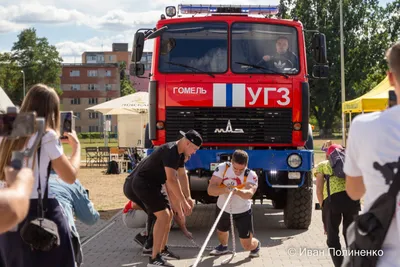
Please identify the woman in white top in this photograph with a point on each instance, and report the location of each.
(13, 251)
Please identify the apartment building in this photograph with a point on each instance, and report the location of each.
(142, 84)
(120, 52)
(86, 85)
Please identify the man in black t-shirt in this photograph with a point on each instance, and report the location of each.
(159, 183)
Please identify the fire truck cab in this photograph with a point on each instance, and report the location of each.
(238, 75)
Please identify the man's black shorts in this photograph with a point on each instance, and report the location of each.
(243, 222)
(148, 196)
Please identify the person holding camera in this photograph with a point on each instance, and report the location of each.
(14, 197)
(32, 243)
(371, 165)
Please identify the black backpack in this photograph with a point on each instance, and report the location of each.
(368, 231)
(113, 168)
(336, 160)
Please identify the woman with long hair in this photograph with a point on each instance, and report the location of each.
(13, 250)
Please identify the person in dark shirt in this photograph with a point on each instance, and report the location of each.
(159, 183)
(283, 58)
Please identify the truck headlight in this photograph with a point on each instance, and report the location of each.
(294, 161)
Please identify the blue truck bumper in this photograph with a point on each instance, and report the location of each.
(270, 161)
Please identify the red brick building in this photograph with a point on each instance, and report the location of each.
(86, 85)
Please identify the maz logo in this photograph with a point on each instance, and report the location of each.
(229, 129)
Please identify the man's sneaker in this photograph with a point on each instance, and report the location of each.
(147, 251)
(158, 261)
(219, 250)
(140, 239)
(168, 255)
(255, 252)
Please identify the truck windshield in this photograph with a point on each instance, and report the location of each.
(202, 46)
(270, 47)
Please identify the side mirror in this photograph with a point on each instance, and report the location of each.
(136, 69)
(157, 33)
(320, 71)
(138, 45)
(319, 48)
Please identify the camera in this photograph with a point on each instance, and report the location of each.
(67, 123)
(392, 98)
(14, 125)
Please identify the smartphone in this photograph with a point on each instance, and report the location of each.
(13, 125)
(67, 123)
(392, 98)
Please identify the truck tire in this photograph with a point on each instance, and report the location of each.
(298, 211)
(147, 141)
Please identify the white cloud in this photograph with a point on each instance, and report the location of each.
(7, 26)
(71, 52)
(115, 19)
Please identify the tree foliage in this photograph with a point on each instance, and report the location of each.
(368, 31)
(126, 85)
(39, 60)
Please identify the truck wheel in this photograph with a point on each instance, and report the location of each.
(298, 211)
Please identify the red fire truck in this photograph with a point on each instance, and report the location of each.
(237, 75)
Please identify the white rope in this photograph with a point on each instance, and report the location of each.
(212, 230)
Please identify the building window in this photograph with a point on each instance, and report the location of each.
(108, 87)
(93, 129)
(77, 115)
(74, 73)
(75, 101)
(111, 58)
(108, 73)
(78, 129)
(93, 115)
(91, 87)
(92, 73)
(92, 101)
(108, 117)
(75, 87)
(91, 58)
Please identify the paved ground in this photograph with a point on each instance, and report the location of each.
(110, 244)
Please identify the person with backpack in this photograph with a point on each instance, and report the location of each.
(372, 168)
(235, 175)
(337, 207)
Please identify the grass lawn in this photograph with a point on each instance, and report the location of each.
(89, 143)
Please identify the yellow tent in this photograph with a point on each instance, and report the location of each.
(374, 100)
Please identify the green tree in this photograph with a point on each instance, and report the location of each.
(39, 60)
(365, 41)
(10, 77)
(125, 83)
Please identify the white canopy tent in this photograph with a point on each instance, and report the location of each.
(133, 104)
(5, 101)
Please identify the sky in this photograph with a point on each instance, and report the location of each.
(75, 26)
